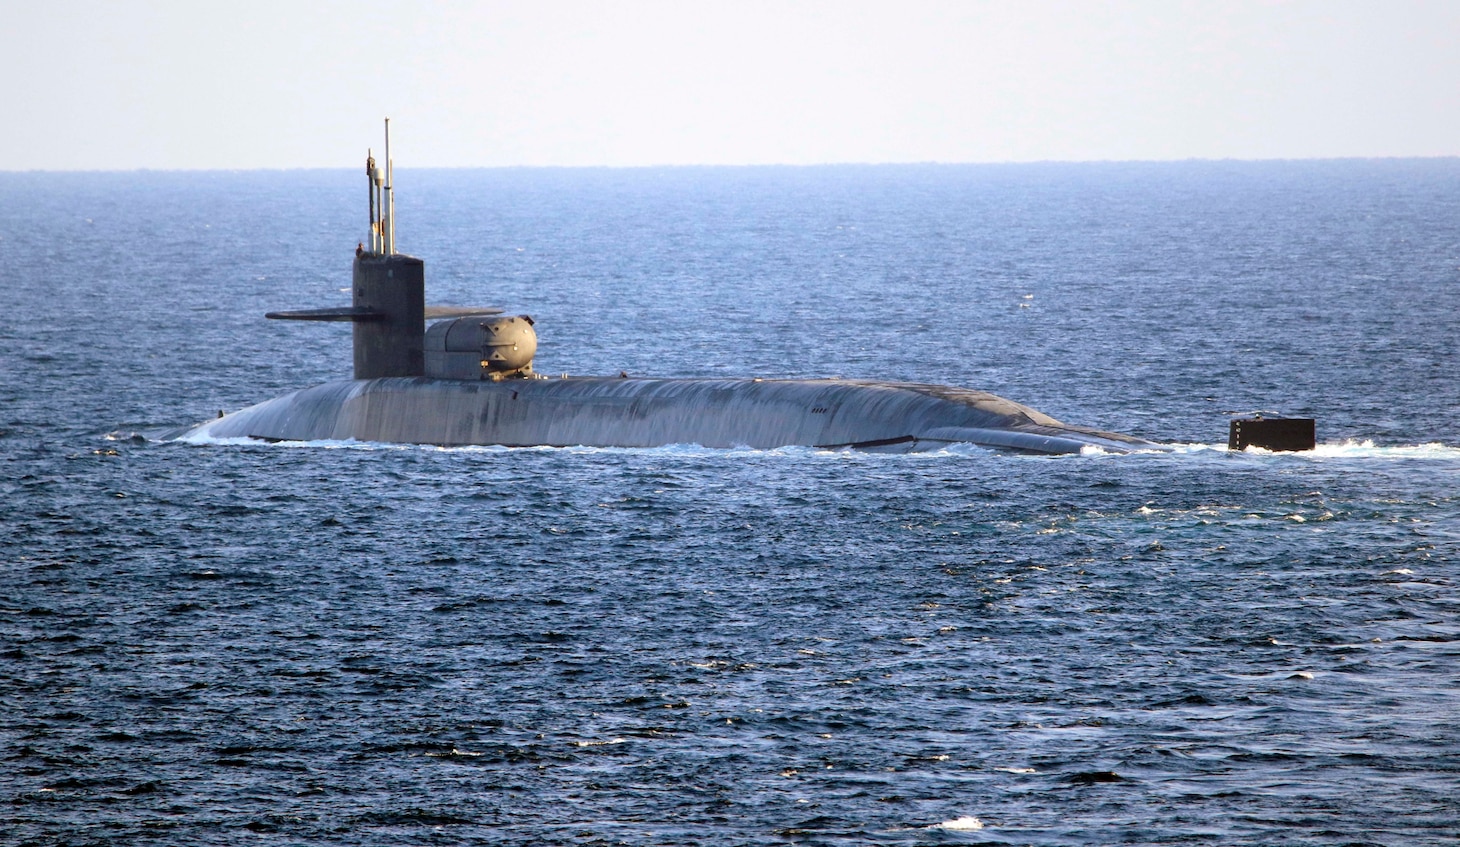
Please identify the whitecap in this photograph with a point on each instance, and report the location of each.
(967, 823)
(598, 743)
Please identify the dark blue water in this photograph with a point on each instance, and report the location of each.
(371, 644)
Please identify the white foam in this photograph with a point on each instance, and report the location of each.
(455, 752)
(202, 438)
(1340, 450)
(1366, 449)
(1347, 449)
(125, 435)
(966, 823)
(956, 448)
(607, 743)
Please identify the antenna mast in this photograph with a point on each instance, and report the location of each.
(382, 199)
(374, 190)
(389, 195)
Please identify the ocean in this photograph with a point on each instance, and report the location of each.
(371, 644)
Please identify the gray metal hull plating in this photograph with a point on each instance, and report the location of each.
(621, 412)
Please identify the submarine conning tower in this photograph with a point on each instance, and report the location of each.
(389, 310)
(390, 299)
(389, 288)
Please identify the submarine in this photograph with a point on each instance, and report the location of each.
(458, 376)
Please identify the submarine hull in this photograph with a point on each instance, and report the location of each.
(469, 381)
(631, 412)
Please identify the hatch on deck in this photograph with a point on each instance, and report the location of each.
(495, 347)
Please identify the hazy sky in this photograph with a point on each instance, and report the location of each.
(213, 84)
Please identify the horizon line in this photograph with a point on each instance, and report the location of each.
(724, 165)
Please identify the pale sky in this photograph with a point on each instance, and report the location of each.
(263, 84)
